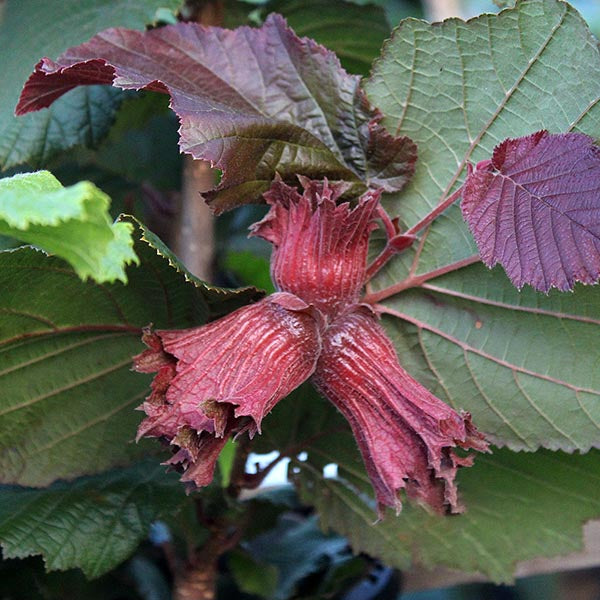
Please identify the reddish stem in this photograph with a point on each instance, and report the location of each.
(393, 246)
(417, 280)
(398, 242)
(436, 212)
(390, 229)
(380, 260)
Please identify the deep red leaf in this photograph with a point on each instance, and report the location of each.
(251, 101)
(535, 209)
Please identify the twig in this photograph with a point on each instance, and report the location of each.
(436, 212)
(416, 280)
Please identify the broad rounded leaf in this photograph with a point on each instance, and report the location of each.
(85, 115)
(535, 209)
(524, 366)
(71, 222)
(460, 88)
(93, 523)
(253, 102)
(518, 505)
(67, 393)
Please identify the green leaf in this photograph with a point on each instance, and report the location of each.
(71, 222)
(93, 523)
(396, 10)
(34, 28)
(297, 548)
(225, 461)
(251, 576)
(142, 144)
(249, 268)
(518, 506)
(67, 392)
(524, 364)
(25, 579)
(149, 579)
(355, 33)
(302, 415)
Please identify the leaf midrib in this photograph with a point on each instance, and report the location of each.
(527, 309)
(73, 384)
(469, 348)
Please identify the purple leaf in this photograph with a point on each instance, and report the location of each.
(535, 209)
(253, 102)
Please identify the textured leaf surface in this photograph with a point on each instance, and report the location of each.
(297, 548)
(67, 393)
(33, 28)
(535, 209)
(518, 505)
(141, 145)
(525, 365)
(251, 101)
(355, 33)
(93, 523)
(458, 89)
(71, 222)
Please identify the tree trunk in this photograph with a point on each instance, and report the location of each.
(194, 230)
(197, 583)
(194, 244)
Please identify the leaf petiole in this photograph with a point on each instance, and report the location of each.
(397, 242)
(436, 212)
(417, 280)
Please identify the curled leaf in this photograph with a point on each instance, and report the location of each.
(252, 101)
(72, 222)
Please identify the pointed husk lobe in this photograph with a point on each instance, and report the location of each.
(319, 247)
